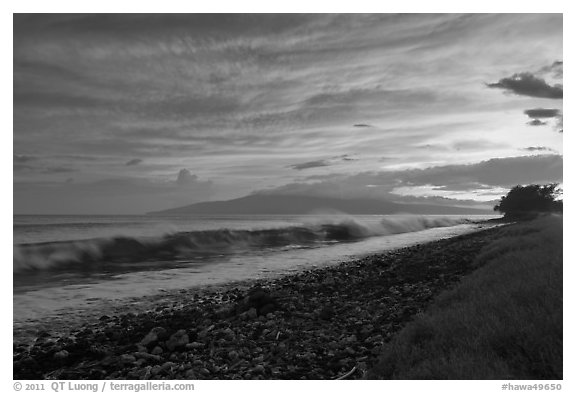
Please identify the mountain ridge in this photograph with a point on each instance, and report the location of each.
(294, 204)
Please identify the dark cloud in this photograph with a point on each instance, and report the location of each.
(134, 161)
(540, 113)
(536, 122)
(537, 148)
(526, 84)
(310, 164)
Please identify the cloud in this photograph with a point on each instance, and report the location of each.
(321, 163)
(537, 148)
(21, 158)
(57, 169)
(134, 161)
(309, 164)
(541, 113)
(25, 168)
(494, 173)
(240, 97)
(187, 179)
(555, 70)
(503, 172)
(559, 126)
(526, 84)
(537, 122)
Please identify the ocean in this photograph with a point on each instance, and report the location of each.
(67, 263)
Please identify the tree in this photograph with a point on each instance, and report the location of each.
(525, 202)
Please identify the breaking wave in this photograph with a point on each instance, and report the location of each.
(180, 246)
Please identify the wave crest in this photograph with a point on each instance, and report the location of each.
(90, 254)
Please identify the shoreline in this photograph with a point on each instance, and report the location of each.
(320, 323)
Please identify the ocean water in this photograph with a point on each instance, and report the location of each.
(63, 263)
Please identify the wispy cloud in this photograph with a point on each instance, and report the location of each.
(134, 161)
(310, 164)
(250, 101)
(538, 148)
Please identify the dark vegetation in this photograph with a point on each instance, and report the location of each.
(504, 321)
(527, 202)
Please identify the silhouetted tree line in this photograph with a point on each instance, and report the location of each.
(526, 202)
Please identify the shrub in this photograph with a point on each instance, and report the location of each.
(527, 202)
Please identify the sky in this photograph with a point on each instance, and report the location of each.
(125, 114)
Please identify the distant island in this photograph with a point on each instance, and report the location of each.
(293, 204)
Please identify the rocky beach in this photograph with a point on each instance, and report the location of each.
(323, 323)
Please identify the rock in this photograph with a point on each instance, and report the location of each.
(351, 339)
(157, 350)
(177, 340)
(259, 369)
(229, 334)
(259, 359)
(251, 313)
(61, 355)
(158, 333)
(155, 370)
(267, 309)
(260, 299)
(194, 345)
(225, 311)
(126, 358)
(167, 366)
(150, 338)
(147, 356)
(326, 313)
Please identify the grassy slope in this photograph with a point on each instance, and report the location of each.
(504, 321)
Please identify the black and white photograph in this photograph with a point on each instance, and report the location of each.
(287, 196)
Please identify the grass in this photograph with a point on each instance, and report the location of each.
(504, 321)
